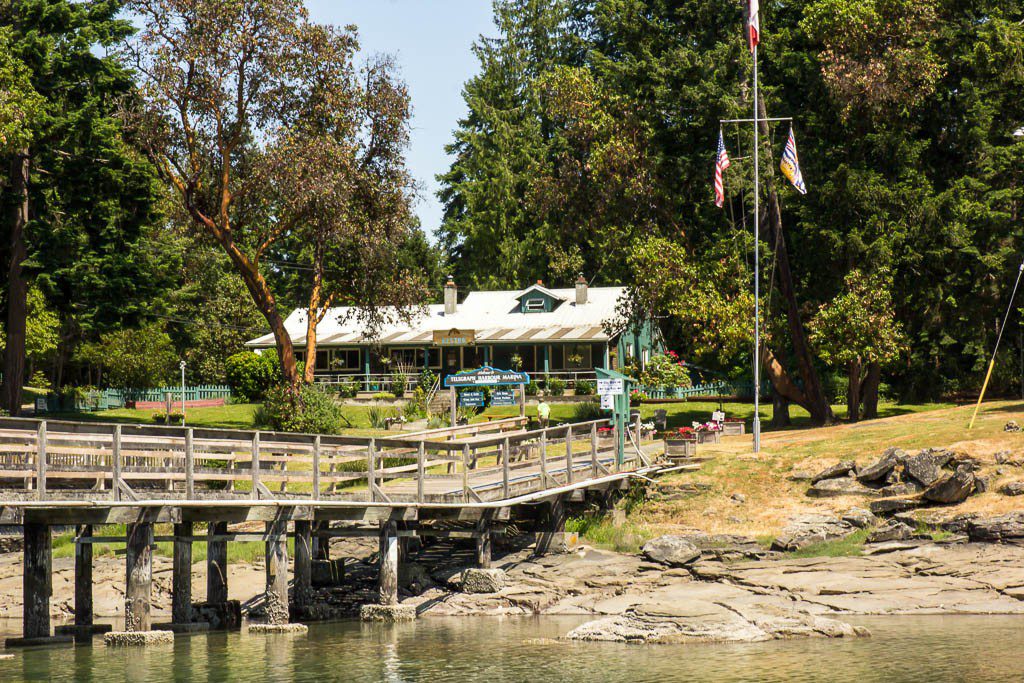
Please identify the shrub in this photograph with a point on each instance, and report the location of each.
(554, 386)
(39, 380)
(435, 422)
(384, 396)
(412, 410)
(426, 380)
(532, 389)
(665, 371)
(309, 410)
(399, 380)
(379, 416)
(587, 411)
(348, 389)
(636, 397)
(250, 375)
(585, 387)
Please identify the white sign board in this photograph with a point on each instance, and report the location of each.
(610, 387)
(607, 402)
(718, 416)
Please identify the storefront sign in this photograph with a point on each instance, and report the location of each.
(610, 387)
(607, 402)
(471, 399)
(486, 377)
(454, 337)
(503, 397)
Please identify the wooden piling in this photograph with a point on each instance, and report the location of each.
(217, 564)
(550, 532)
(36, 581)
(388, 576)
(181, 579)
(277, 571)
(303, 562)
(139, 577)
(483, 541)
(83, 577)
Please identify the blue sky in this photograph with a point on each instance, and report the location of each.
(431, 41)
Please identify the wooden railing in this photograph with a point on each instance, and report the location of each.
(57, 460)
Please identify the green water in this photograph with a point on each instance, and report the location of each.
(902, 650)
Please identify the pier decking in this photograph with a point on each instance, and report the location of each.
(311, 487)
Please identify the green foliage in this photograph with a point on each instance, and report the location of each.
(586, 411)
(554, 386)
(39, 380)
(384, 396)
(665, 371)
(859, 325)
(348, 389)
(135, 359)
(379, 416)
(250, 375)
(426, 380)
(399, 381)
(532, 388)
(308, 409)
(584, 387)
(636, 397)
(599, 530)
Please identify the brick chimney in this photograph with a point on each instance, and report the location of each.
(451, 297)
(581, 290)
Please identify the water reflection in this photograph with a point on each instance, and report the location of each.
(903, 650)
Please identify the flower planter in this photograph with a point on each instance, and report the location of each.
(734, 428)
(708, 437)
(680, 448)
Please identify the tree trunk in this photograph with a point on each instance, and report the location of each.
(17, 287)
(782, 384)
(816, 402)
(869, 392)
(853, 391)
(780, 411)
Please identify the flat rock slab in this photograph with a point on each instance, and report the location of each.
(388, 614)
(297, 629)
(138, 638)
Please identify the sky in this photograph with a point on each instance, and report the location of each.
(431, 42)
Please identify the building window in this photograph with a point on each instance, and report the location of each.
(646, 357)
(578, 356)
(534, 306)
(323, 360)
(345, 360)
(408, 358)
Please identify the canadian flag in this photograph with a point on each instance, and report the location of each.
(753, 24)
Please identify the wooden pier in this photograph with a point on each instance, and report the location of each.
(312, 487)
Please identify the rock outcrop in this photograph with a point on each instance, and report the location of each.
(809, 529)
(674, 551)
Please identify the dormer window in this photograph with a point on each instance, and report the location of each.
(535, 305)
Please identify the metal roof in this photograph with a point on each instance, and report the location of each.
(495, 317)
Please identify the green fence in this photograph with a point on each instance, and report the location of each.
(107, 399)
(720, 388)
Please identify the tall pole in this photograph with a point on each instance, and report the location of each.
(182, 365)
(757, 273)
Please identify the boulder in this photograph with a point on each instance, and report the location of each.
(483, 580)
(907, 488)
(674, 551)
(881, 469)
(840, 469)
(1011, 426)
(1013, 488)
(951, 488)
(845, 486)
(996, 529)
(809, 529)
(724, 546)
(859, 517)
(926, 466)
(893, 531)
(889, 506)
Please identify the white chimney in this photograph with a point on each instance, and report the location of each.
(581, 290)
(451, 297)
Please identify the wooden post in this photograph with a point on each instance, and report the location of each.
(216, 563)
(322, 544)
(36, 581)
(190, 467)
(83, 577)
(303, 562)
(388, 576)
(255, 465)
(593, 450)
(551, 528)
(544, 458)
(454, 411)
(41, 461)
(506, 451)
(181, 574)
(522, 400)
(371, 474)
(139, 577)
(277, 571)
(483, 541)
(420, 471)
(568, 454)
(316, 468)
(465, 471)
(115, 481)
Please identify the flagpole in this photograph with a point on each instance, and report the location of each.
(757, 273)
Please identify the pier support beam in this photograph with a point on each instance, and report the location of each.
(483, 541)
(139, 577)
(217, 564)
(181, 579)
(36, 581)
(303, 589)
(550, 532)
(83, 577)
(277, 572)
(388, 577)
